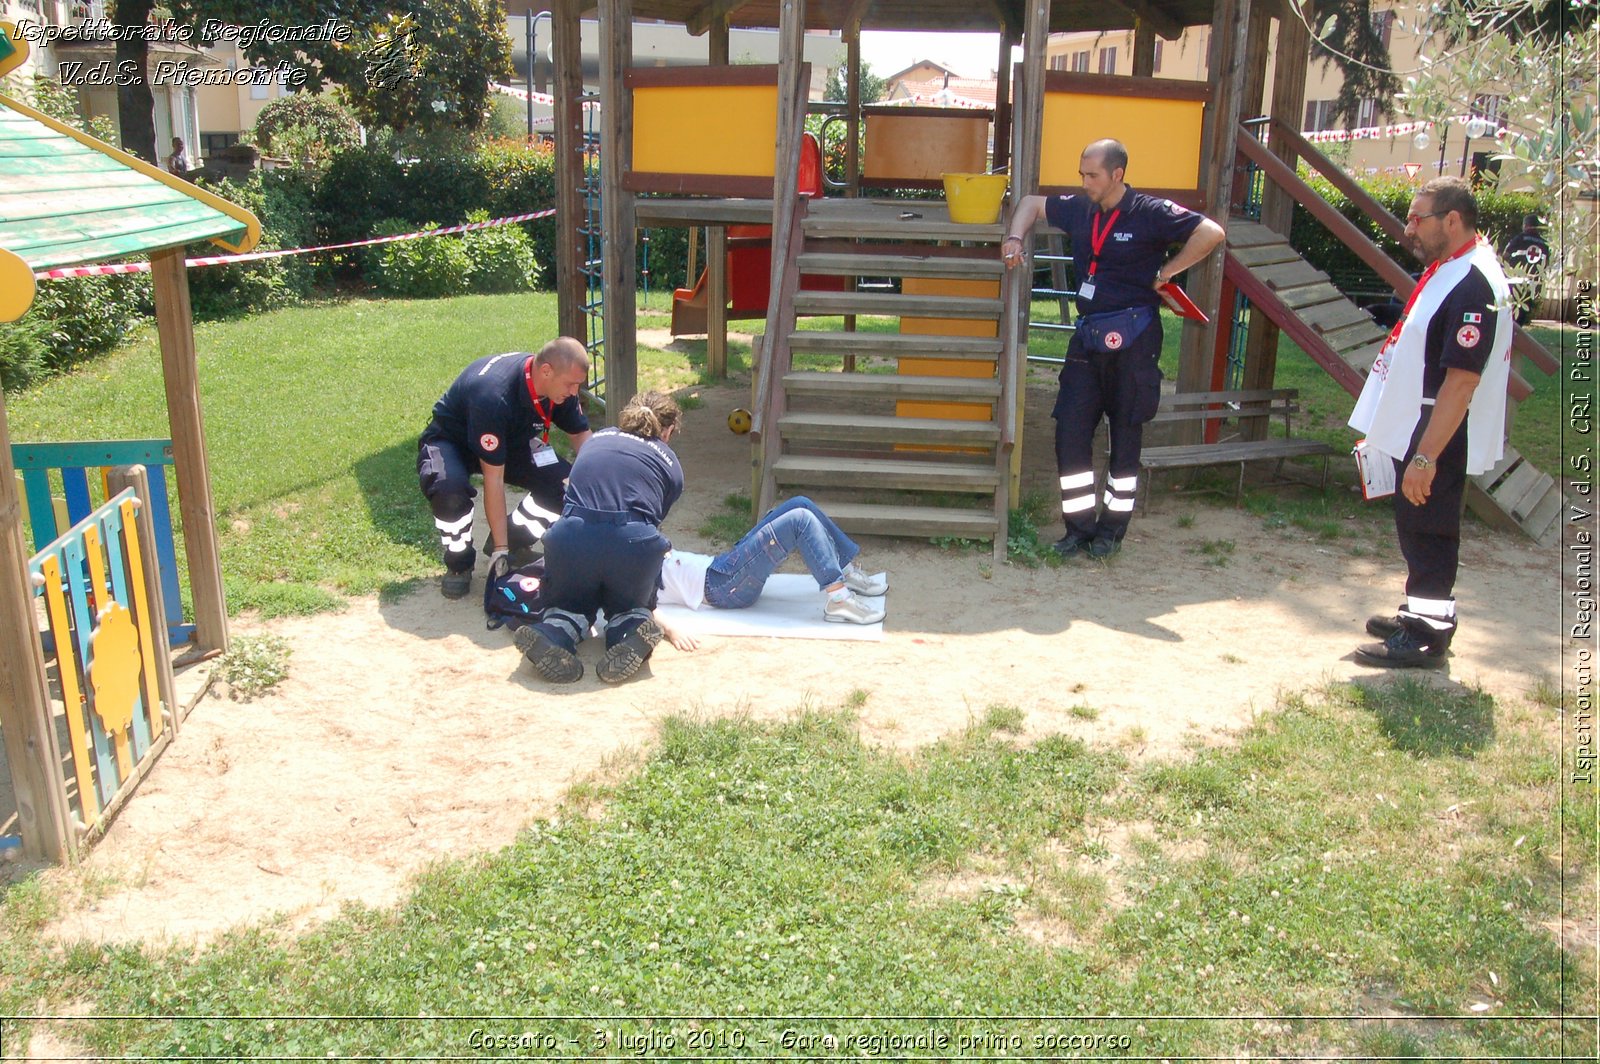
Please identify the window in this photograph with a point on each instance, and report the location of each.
(1383, 25)
(211, 143)
(1366, 113)
(1080, 62)
(1155, 67)
(1108, 60)
(1491, 108)
(1058, 62)
(1319, 115)
(260, 89)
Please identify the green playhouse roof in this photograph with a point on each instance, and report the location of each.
(67, 199)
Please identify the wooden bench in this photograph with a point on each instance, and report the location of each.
(1235, 406)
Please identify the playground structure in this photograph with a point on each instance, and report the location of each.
(68, 199)
(715, 147)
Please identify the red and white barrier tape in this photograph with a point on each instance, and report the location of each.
(256, 256)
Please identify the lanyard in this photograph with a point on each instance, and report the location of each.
(538, 407)
(1097, 239)
(1427, 275)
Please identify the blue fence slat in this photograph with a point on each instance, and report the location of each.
(75, 486)
(166, 559)
(41, 507)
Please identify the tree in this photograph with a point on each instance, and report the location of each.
(1526, 65)
(136, 104)
(408, 65)
(1344, 33)
(873, 88)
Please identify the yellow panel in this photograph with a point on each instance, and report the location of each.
(141, 603)
(1162, 137)
(925, 147)
(943, 286)
(16, 286)
(71, 694)
(114, 678)
(13, 53)
(706, 129)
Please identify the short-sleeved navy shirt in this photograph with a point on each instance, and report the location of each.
(489, 413)
(620, 472)
(1461, 331)
(1145, 228)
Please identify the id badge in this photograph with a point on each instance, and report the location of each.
(545, 456)
(1086, 290)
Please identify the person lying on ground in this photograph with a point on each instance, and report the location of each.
(734, 579)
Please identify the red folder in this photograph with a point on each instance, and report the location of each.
(1181, 304)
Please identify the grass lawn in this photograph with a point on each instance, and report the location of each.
(1390, 851)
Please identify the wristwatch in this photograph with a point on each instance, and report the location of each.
(1421, 461)
(1162, 278)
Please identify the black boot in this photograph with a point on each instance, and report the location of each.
(1415, 644)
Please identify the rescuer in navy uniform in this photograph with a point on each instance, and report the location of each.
(605, 552)
(496, 419)
(1120, 240)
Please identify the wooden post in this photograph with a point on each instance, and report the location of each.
(1277, 205)
(1228, 33)
(1261, 339)
(1002, 102)
(138, 479)
(852, 133)
(25, 714)
(1027, 138)
(619, 246)
(175, 326)
(572, 247)
(1144, 48)
(717, 243)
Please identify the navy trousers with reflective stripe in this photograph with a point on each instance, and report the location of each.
(444, 472)
(1123, 387)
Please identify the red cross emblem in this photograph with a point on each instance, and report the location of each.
(1468, 336)
(489, 441)
(1113, 341)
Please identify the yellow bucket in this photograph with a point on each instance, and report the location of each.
(975, 198)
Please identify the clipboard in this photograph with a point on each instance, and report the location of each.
(1177, 299)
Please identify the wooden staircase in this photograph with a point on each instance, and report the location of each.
(1344, 340)
(857, 434)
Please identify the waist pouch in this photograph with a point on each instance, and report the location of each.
(1114, 330)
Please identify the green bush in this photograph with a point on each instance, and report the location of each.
(306, 127)
(502, 257)
(23, 351)
(1499, 218)
(520, 178)
(422, 268)
(358, 189)
(282, 199)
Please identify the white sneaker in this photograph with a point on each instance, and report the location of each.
(852, 610)
(862, 584)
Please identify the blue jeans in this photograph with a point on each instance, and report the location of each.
(735, 579)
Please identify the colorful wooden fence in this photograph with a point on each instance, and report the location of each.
(114, 681)
(48, 468)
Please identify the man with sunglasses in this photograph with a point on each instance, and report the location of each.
(1435, 403)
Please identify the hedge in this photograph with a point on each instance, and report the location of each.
(1499, 219)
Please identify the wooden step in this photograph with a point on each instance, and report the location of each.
(847, 264)
(1264, 255)
(1358, 334)
(1244, 233)
(933, 223)
(895, 304)
(890, 385)
(817, 427)
(1516, 494)
(874, 519)
(895, 345)
(888, 474)
(1282, 275)
(1362, 358)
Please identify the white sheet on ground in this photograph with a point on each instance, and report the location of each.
(790, 607)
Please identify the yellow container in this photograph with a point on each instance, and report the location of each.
(975, 198)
